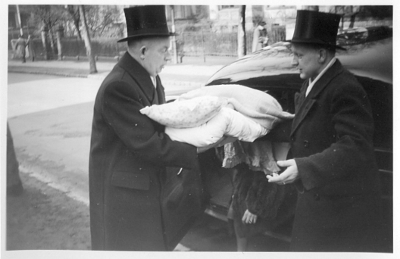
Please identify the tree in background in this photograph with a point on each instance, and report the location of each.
(48, 17)
(104, 21)
(88, 45)
(73, 11)
(242, 32)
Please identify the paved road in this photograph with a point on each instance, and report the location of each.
(50, 118)
(29, 93)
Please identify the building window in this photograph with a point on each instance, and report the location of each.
(226, 6)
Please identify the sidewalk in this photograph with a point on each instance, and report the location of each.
(193, 69)
(176, 78)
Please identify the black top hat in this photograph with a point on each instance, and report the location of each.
(146, 21)
(316, 28)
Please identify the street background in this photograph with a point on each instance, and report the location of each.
(50, 111)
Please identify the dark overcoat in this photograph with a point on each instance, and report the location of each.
(338, 207)
(140, 199)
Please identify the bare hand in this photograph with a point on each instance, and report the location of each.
(290, 175)
(249, 218)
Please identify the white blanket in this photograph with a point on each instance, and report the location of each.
(184, 114)
(203, 116)
(250, 102)
(227, 122)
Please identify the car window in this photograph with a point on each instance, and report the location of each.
(380, 95)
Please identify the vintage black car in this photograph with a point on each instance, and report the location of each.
(271, 70)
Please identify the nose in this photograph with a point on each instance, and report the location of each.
(295, 61)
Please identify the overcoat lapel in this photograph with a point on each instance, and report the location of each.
(303, 107)
(139, 74)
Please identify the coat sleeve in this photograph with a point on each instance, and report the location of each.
(145, 138)
(352, 122)
(263, 198)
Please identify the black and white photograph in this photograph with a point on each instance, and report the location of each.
(174, 129)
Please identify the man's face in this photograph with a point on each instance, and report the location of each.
(306, 59)
(156, 55)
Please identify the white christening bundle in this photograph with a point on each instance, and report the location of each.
(203, 116)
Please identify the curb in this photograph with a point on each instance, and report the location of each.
(43, 71)
(100, 76)
(48, 73)
(97, 76)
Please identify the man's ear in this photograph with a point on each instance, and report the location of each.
(143, 50)
(323, 54)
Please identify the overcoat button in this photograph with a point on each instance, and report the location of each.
(316, 197)
(306, 143)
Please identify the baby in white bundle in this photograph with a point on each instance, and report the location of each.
(227, 122)
(204, 116)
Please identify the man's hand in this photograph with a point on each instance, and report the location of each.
(249, 218)
(290, 175)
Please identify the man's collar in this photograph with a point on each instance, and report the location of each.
(312, 83)
(154, 80)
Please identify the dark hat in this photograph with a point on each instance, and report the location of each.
(316, 28)
(146, 21)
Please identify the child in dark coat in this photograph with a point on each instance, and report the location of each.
(258, 206)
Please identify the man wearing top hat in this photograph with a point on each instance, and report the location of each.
(332, 161)
(145, 189)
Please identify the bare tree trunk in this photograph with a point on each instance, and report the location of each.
(21, 31)
(242, 32)
(51, 39)
(352, 17)
(175, 53)
(76, 17)
(88, 45)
